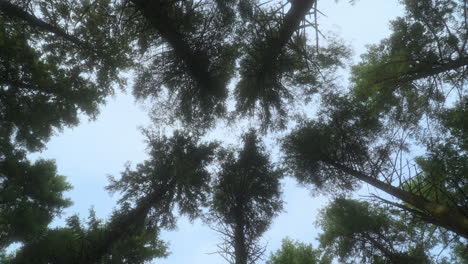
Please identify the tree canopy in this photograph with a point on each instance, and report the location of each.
(401, 126)
(361, 233)
(298, 253)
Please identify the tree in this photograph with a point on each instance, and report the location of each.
(59, 59)
(32, 194)
(293, 252)
(70, 244)
(396, 103)
(48, 77)
(194, 49)
(246, 196)
(176, 173)
(337, 155)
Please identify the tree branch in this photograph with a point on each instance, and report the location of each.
(14, 11)
(451, 218)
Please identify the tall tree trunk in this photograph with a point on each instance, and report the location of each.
(240, 247)
(422, 71)
(291, 22)
(451, 218)
(197, 62)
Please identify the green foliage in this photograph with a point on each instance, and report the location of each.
(178, 169)
(67, 244)
(246, 196)
(49, 76)
(36, 95)
(32, 194)
(358, 232)
(60, 59)
(293, 252)
(344, 130)
(184, 54)
(49, 79)
(397, 103)
(192, 74)
(444, 168)
(396, 76)
(5, 257)
(249, 185)
(455, 120)
(460, 252)
(267, 87)
(191, 51)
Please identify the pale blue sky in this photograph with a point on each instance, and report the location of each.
(89, 152)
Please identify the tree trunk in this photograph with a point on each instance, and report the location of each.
(240, 249)
(291, 21)
(197, 62)
(451, 218)
(424, 71)
(123, 227)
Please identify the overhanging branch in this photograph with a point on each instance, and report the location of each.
(14, 11)
(451, 218)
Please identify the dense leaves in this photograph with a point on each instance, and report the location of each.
(280, 65)
(408, 72)
(294, 252)
(36, 95)
(196, 61)
(49, 77)
(407, 100)
(68, 244)
(32, 194)
(360, 233)
(176, 173)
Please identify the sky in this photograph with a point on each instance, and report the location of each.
(89, 153)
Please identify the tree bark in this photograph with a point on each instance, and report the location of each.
(291, 21)
(421, 73)
(451, 218)
(240, 249)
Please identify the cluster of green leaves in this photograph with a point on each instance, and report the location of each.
(68, 244)
(36, 94)
(48, 80)
(196, 62)
(274, 78)
(341, 134)
(293, 252)
(177, 171)
(359, 232)
(31, 195)
(402, 75)
(194, 49)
